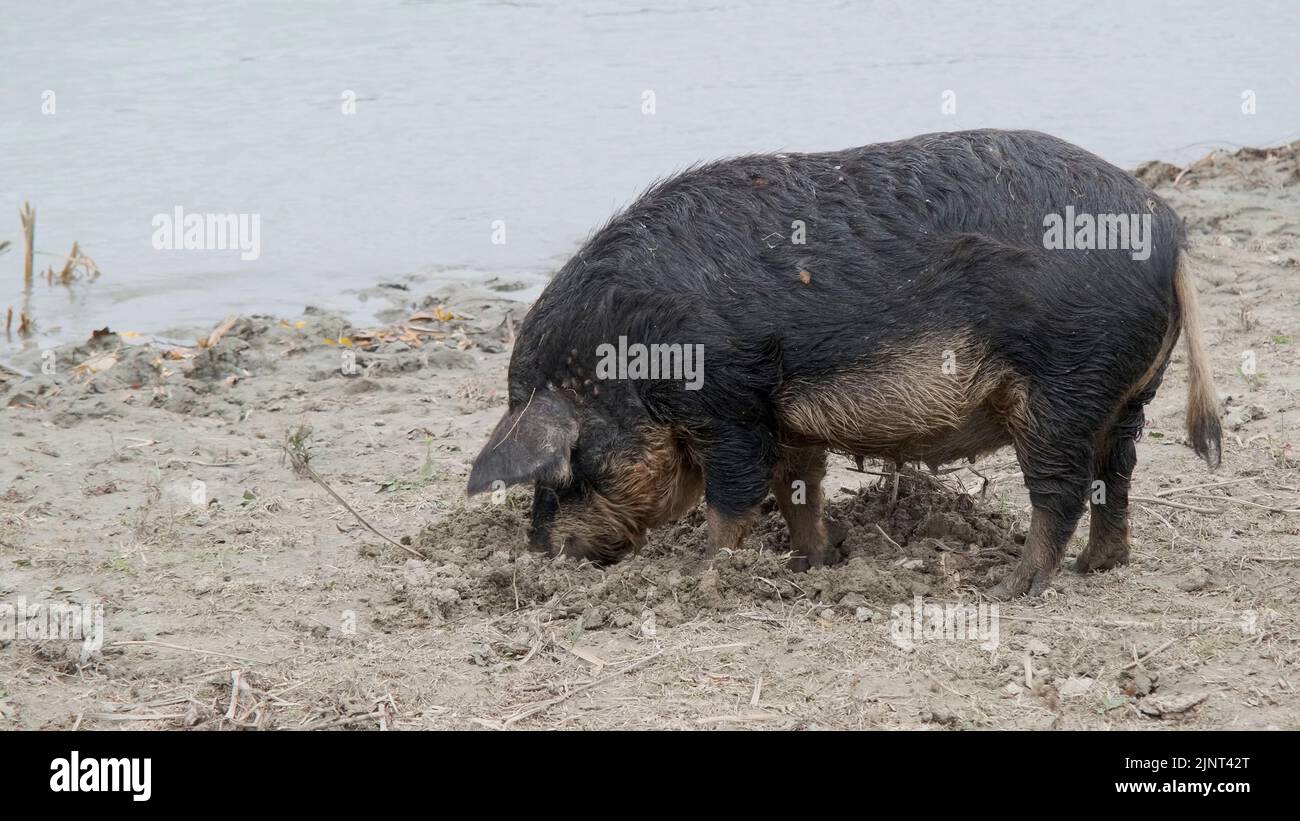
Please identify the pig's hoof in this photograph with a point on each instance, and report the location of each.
(1097, 557)
(803, 560)
(1021, 581)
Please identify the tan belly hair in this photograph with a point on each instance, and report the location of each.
(940, 399)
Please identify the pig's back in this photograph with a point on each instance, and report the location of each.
(865, 216)
(832, 256)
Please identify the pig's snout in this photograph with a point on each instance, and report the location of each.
(602, 550)
(567, 524)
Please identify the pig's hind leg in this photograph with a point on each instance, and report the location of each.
(1108, 539)
(797, 486)
(1055, 453)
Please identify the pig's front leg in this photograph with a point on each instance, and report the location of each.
(797, 486)
(726, 532)
(737, 469)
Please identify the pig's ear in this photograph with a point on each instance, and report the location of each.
(530, 444)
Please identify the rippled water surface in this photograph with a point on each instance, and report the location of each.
(535, 114)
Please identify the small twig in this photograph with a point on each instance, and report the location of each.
(886, 535)
(125, 709)
(742, 718)
(339, 722)
(1161, 518)
(27, 215)
(1269, 508)
(311, 474)
(938, 683)
(295, 448)
(186, 649)
(236, 684)
(1170, 491)
(1154, 501)
(732, 646)
(140, 717)
(542, 707)
(1136, 661)
(197, 462)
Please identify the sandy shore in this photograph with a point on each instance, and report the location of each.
(238, 593)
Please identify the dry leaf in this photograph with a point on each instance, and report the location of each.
(589, 657)
(98, 363)
(1170, 705)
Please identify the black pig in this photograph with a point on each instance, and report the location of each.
(905, 301)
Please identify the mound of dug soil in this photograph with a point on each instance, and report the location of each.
(929, 540)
